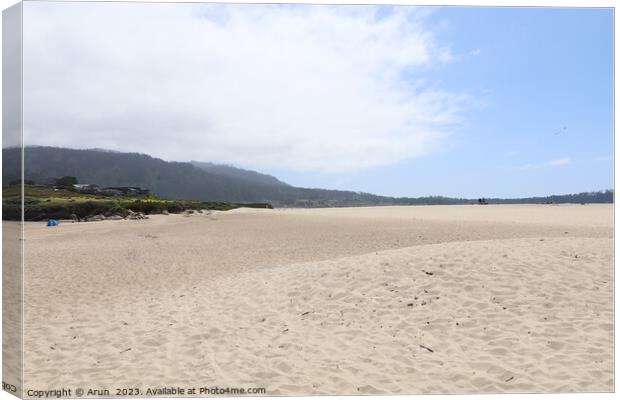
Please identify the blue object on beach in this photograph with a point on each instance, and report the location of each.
(52, 222)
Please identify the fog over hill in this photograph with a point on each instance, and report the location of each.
(238, 173)
(212, 182)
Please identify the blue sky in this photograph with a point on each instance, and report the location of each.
(401, 101)
(531, 72)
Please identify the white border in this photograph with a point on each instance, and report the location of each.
(4, 4)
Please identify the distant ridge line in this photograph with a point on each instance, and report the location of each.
(218, 182)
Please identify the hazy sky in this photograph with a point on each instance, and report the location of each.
(391, 100)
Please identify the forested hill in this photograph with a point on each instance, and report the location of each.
(604, 196)
(213, 182)
(238, 173)
(176, 180)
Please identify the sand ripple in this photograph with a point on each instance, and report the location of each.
(511, 315)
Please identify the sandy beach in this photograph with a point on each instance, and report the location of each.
(392, 300)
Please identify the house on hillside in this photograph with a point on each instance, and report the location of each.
(86, 188)
(127, 191)
(111, 191)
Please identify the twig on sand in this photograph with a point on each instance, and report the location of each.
(427, 348)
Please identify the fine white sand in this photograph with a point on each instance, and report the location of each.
(445, 299)
(12, 363)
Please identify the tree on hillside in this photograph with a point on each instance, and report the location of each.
(66, 181)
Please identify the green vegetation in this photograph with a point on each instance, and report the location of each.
(43, 202)
(66, 181)
(211, 182)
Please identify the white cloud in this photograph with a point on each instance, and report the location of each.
(475, 52)
(558, 162)
(303, 87)
(526, 167)
(551, 163)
